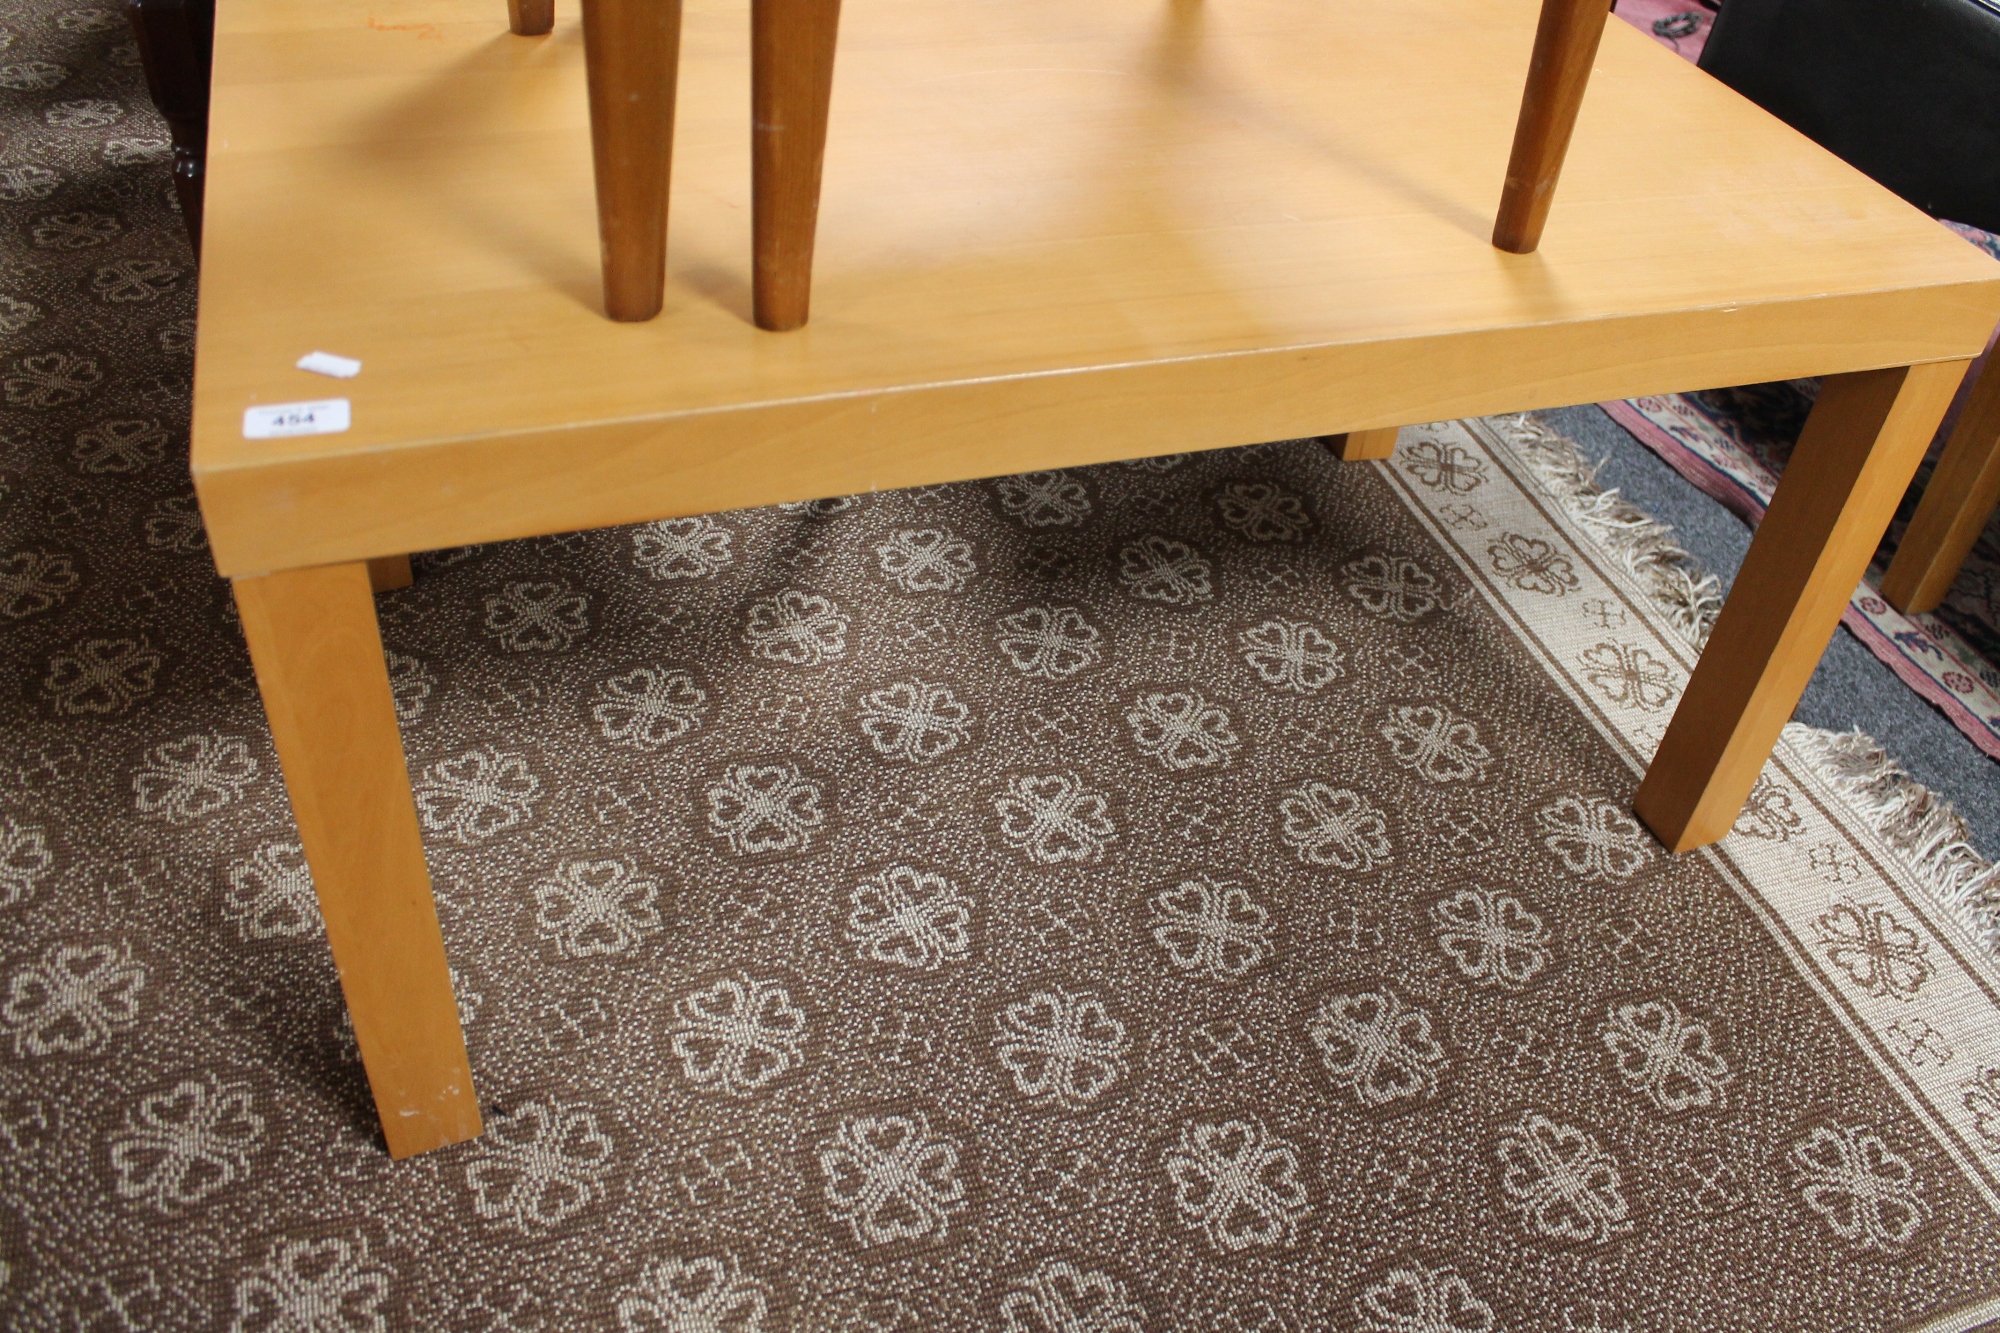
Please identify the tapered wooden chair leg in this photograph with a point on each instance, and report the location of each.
(632, 59)
(1357, 445)
(1956, 504)
(791, 46)
(1866, 435)
(1565, 45)
(531, 18)
(318, 655)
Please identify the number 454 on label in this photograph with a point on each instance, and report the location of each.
(275, 420)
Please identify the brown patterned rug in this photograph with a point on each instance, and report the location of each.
(1189, 894)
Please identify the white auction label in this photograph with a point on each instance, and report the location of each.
(325, 417)
(326, 363)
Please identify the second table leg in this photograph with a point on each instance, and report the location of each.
(1860, 447)
(389, 573)
(1960, 498)
(1356, 445)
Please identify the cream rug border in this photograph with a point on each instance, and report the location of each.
(1979, 1317)
(1863, 879)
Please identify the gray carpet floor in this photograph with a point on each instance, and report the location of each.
(1852, 687)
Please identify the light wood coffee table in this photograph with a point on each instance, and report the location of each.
(1054, 233)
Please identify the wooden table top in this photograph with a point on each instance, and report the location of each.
(1054, 232)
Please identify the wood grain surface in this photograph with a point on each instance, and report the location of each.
(1355, 445)
(1859, 449)
(1959, 499)
(1050, 234)
(318, 655)
(389, 573)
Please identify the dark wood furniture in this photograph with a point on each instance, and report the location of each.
(176, 46)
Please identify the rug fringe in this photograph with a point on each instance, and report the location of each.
(1917, 825)
(1925, 830)
(1690, 596)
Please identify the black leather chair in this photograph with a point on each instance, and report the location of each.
(176, 46)
(1909, 92)
(1906, 90)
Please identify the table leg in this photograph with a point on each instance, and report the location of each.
(1565, 45)
(318, 655)
(1859, 449)
(791, 86)
(1956, 504)
(390, 573)
(1360, 444)
(631, 54)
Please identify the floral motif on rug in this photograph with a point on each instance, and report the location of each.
(1193, 893)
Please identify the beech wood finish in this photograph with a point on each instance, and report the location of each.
(1957, 502)
(1356, 445)
(390, 573)
(1860, 447)
(1566, 40)
(791, 83)
(1055, 235)
(1266, 225)
(632, 55)
(318, 656)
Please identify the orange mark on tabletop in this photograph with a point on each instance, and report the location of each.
(420, 29)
